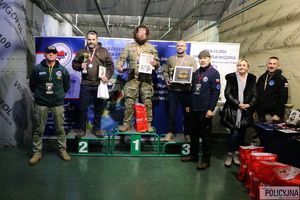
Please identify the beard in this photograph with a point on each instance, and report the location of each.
(91, 46)
(140, 41)
(180, 52)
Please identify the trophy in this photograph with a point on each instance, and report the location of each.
(85, 57)
(171, 74)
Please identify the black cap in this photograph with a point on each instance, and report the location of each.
(51, 49)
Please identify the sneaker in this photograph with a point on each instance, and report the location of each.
(228, 161)
(236, 158)
(187, 138)
(65, 156)
(170, 136)
(98, 133)
(36, 157)
(124, 128)
(80, 133)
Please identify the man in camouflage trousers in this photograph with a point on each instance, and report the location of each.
(137, 83)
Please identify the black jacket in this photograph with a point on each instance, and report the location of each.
(230, 108)
(271, 99)
(209, 78)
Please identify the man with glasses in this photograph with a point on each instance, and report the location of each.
(49, 82)
(178, 93)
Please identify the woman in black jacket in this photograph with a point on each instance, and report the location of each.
(241, 95)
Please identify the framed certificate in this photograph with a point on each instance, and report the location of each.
(294, 117)
(182, 74)
(102, 71)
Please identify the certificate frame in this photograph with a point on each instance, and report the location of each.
(182, 74)
(102, 71)
(294, 117)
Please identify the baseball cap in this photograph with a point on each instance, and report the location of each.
(51, 49)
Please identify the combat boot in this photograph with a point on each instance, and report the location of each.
(36, 157)
(65, 156)
(150, 129)
(124, 128)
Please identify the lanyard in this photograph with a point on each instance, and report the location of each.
(201, 76)
(177, 59)
(50, 69)
(267, 80)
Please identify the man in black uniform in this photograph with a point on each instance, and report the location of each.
(272, 89)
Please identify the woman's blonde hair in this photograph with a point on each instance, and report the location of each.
(243, 59)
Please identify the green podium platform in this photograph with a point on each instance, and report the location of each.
(130, 143)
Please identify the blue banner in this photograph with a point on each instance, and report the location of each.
(114, 110)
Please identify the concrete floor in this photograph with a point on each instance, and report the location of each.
(115, 178)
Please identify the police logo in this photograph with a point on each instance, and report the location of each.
(205, 79)
(271, 83)
(58, 74)
(64, 54)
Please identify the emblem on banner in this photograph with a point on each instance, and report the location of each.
(64, 54)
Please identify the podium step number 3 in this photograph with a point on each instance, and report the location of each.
(83, 146)
(185, 149)
(135, 144)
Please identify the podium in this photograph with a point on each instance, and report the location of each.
(130, 143)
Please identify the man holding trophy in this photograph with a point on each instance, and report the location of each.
(178, 91)
(90, 60)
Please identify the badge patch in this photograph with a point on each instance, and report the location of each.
(271, 83)
(58, 74)
(205, 79)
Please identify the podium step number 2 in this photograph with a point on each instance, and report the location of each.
(135, 144)
(83, 146)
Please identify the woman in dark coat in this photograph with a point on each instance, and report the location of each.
(241, 95)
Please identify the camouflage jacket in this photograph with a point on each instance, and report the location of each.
(131, 54)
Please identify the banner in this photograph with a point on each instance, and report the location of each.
(15, 98)
(224, 58)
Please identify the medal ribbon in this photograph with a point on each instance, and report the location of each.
(91, 58)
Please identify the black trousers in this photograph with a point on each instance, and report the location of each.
(201, 128)
(88, 94)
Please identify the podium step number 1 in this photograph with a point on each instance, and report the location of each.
(83, 146)
(135, 144)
